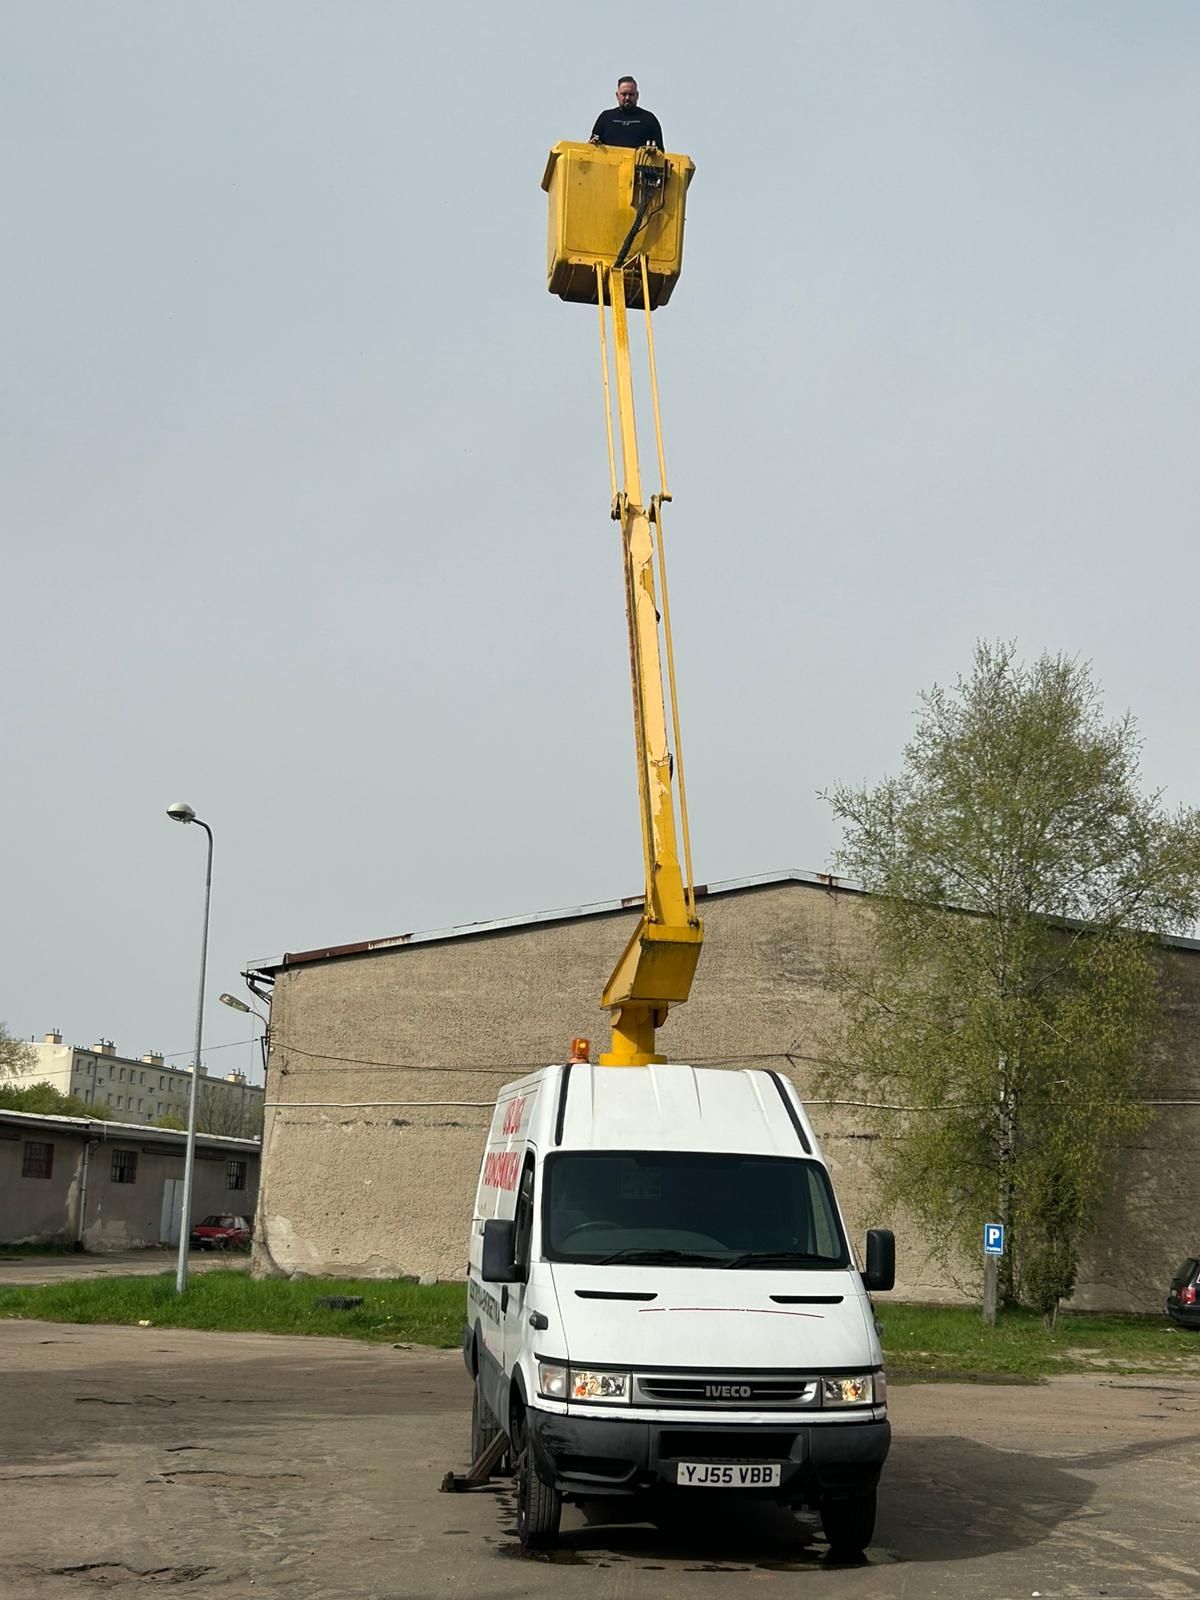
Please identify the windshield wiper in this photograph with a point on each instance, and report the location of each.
(777, 1258)
(636, 1255)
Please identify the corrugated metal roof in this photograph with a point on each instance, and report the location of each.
(128, 1131)
(598, 908)
(595, 908)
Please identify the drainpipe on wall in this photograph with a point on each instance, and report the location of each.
(89, 1145)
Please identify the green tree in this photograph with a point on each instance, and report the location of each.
(1013, 1030)
(169, 1120)
(47, 1101)
(16, 1057)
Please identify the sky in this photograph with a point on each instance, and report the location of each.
(303, 481)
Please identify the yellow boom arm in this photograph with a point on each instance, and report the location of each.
(656, 968)
(616, 237)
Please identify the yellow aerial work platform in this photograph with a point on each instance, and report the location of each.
(616, 241)
(608, 206)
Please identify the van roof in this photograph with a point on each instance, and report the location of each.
(682, 1108)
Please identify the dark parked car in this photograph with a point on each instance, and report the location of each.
(1183, 1297)
(221, 1232)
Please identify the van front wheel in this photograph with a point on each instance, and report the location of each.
(539, 1505)
(849, 1523)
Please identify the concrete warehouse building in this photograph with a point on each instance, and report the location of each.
(112, 1185)
(386, 1057)
(145, 1088)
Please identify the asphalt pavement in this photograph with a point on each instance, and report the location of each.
(246, 1465)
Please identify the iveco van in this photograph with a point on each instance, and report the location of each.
(662, 1300)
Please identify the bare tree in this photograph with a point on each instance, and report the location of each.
(228, 1109)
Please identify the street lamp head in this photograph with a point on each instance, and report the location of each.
(232, 1000)
(181, 812)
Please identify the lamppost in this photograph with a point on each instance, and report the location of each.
(232, 1001)
(179, 812)
(235, 1004)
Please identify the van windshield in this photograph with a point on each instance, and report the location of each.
(683, 1208)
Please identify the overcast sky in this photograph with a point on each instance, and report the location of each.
(304, 483)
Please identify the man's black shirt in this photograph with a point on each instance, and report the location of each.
(628, 128)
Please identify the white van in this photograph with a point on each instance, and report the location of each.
(661, 1299)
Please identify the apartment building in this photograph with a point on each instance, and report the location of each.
(143, 1089)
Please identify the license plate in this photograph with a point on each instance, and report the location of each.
(718, 1475)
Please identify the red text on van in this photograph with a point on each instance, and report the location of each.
(501, 1169)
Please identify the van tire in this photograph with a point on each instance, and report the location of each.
(539, 1505)
(848, 1523)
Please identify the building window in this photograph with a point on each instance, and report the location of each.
(124, 1166)
(235, 1174)
(39, 1160)
(161, 1082)
(122, 1074)
(120, 1101)
(142, 1079)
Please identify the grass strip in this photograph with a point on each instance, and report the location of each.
(920, 1342)
(233, 1302)
(950, 1341)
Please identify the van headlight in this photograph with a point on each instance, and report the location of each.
(589, 1383)
(603, 1385)
(856, 1391)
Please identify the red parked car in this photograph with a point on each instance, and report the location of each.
(221, 1232)
(1183, 1297)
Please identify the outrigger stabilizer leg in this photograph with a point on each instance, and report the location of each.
(480, 1469)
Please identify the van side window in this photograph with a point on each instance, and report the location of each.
(524, 1216)
(821, 1239)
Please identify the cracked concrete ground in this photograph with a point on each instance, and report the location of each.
(244, 1465)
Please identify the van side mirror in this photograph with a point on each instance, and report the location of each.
(881, 1259)
(499, 1252)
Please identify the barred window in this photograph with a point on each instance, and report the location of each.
(39, 1160)
(124, 1166)
(235, 1174)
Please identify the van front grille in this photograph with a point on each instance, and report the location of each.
(745, 1391)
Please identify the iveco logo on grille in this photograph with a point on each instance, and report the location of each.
(727, 1391)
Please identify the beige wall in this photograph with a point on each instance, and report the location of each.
(369, 1168)
(35, 1209)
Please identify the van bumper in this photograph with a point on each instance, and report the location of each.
(596, 1456)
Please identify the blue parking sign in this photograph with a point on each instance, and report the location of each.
(993, 1238)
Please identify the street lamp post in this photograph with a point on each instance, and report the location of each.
(179, 812)
(232, 1001)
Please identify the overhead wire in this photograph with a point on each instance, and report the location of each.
(507, 1069)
